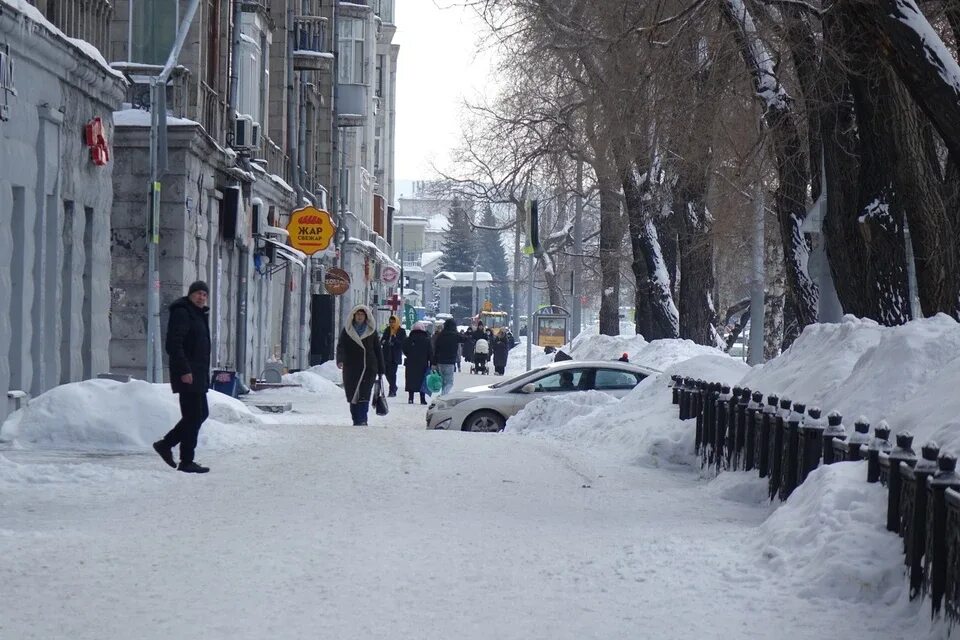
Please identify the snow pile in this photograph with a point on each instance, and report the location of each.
(312, 382)
(644, 425)
(108, 415)
(907, 375)
(829, 539)
(83, 473)
(328, 370)
(600, 347)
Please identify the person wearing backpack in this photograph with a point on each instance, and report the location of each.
(419, 355)
(361, 358)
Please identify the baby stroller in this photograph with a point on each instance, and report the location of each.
(481, 355)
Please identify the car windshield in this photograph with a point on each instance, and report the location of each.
(504, 383)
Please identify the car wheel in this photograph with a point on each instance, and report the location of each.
(484, 421)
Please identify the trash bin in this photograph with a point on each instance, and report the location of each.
(224, 381)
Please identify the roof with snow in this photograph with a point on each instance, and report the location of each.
(464, 276)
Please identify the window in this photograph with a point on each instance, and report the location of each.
(614, 379)
(380, 63)
(153, 28)
(350, 49)
(254, 68)
(566, 380)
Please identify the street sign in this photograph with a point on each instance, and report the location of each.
(336, 281)
(311, 230)
(409, 315)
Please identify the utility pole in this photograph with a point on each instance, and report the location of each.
(577, 318)
(158, 126)
(758, 277)
(531, 250)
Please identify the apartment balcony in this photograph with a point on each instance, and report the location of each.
(310, 44)
(84, 19)
(352, 105)
(356, 8)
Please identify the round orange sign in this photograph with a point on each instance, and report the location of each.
(311, 230)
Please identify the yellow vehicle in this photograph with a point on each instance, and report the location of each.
(495, 320)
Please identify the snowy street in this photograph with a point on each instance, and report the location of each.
(391, 531)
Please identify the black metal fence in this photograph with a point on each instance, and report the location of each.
(783, 441)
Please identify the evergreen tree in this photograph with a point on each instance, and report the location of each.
(460, 244)
(460, 250)
(493, 259)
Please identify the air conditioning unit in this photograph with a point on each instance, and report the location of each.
(255, 135)
(243, 133)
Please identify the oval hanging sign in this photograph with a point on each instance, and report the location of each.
(336, 281)
(311, 230)
(389, 274)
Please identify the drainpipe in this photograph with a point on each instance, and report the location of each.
(242, 252)
(292, 97)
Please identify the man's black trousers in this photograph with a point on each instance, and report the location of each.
(193, 411)
(392, 377)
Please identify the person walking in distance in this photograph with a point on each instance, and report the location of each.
(392, 345)
(419, 354)
(445, 353)
(361, 358)
(188, 348)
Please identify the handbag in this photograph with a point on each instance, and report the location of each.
(379, 398)
(434, 381)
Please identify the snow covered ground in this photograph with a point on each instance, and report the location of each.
(585, 519)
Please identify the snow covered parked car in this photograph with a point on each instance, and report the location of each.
(487, 408)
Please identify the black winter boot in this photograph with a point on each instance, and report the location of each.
(192, 467)
(166, 452)
(409, 397)
(423, 399)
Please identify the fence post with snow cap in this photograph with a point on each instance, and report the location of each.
(851, 448)
(890, 469)
(709, 423)
(834, 431)
(698, 439)
(791, 450)
(767, 417)
(952, 578)
(913, 512)
(935, 554)
(720, 434)
(811, 439)
(732, 409)
(682, 404)
(753, 422)
(879, 443)
(776, 446)
(675, 388)
(740, 434)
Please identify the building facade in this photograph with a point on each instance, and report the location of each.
(57, 96)
(273, 105)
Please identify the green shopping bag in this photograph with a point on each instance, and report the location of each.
(434, 381)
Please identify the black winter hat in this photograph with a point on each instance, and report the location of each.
(199, 285)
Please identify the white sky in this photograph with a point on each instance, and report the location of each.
(436, 70)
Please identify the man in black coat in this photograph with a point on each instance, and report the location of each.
(188, 348)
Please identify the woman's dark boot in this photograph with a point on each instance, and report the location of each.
(409, 397)
(423, 399)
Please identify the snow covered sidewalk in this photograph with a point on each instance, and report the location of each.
(396, 532)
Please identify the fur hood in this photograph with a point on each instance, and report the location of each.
(371, 324)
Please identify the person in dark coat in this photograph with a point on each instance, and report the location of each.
(392, 345)
(361, 358)
(445, 353)
(500, 348)
(468, 343)
(188, 348)
(419, 354)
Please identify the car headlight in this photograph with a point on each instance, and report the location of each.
(451, 403)
(445, 424)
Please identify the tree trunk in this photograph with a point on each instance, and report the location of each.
(653, 284)
(698, 316)
(791, 161)
(666, 225)
(611, 239)
(776, 295)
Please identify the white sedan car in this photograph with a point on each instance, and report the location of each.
(487, 408)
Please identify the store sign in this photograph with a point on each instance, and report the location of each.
(336, 281)
(311, 230)
(389, 274)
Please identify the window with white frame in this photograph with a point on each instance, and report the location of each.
(152, 30)
(254, 69)
(350, 50)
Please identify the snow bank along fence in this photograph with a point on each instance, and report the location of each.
(736, 429)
